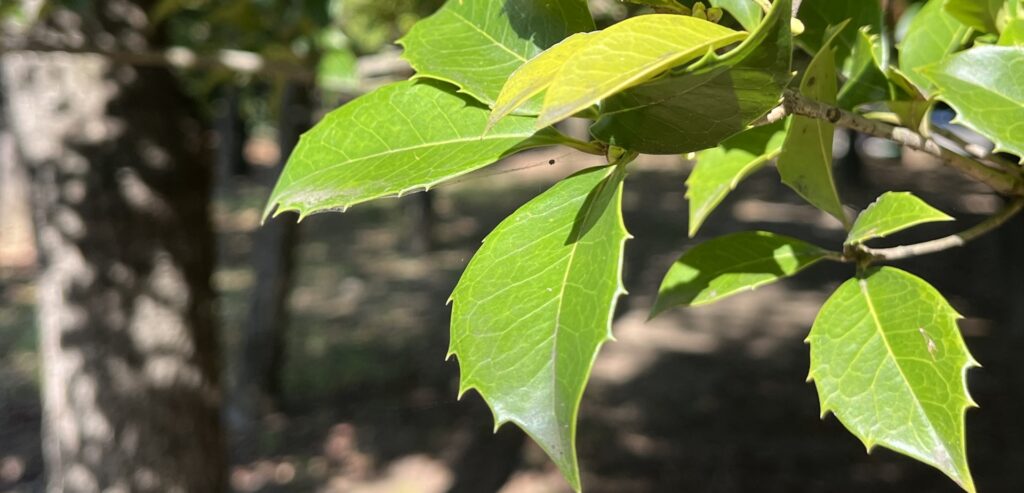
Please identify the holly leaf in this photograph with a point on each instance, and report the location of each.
(397, 139)
(979, 14)
(532, 78)
(671, 5)
(819, 16)
(891, 213)
(984, 86)
(888, 360)
(746, 12)
(720, 170)
(866, 82)
(805, 162)
(477, 44)
(932, 35)
(624, 55)
(697, 107)
(732, 264)
(535, 304)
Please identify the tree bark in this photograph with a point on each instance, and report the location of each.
(120, 189)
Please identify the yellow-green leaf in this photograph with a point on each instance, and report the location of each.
(889, 362)
(627, 54)
(532, 78)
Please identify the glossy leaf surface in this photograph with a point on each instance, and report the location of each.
(820, 15)
(627, 54)
(746, 12)
(889, 361)
(933, 34)
(477, 44)
(400, 138)
(985, 86)
(891, 213)
(535, 304)
(732, 264)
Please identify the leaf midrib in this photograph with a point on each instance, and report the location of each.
(399, 150)
(863, 285)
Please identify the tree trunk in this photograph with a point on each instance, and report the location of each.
(120, 190)
(263, 337)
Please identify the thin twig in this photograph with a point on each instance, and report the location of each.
(948, 242)
(795, 104)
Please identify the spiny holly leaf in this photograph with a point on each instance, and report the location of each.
(979, 14)
(396, 139)
(746, 12)
(933, 34)
(889, 362)
(535, 304)
(720, 170)
(532, 78)
(985, 86)
(806, 159)
(732, 264)
(626, 54)
(477, 44)
(891, 213)
(696, 107)
(819, 16)
(866, 82)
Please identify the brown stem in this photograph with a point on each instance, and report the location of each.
(946, 243)
(795, 104)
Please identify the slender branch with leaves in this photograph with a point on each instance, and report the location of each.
(535, 304)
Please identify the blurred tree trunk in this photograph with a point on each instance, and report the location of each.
(231, 135)
(263, 335)
(120, 185)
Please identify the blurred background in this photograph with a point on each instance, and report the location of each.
(182, 346)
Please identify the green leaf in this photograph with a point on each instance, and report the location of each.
(477, 44)
(746, 12)
(672, 5)
(985, 87)
(979, 14)
(806, 159)
(696, 107)
(819, 16)
(627, 54)
(732, 264)
(532, 78)
(932, 35)
(720, 170)
(891, 213)
(889, 362)
(399, 138)
(866, 82)
(535, 304)
(1013, 33)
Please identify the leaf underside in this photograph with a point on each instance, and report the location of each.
(535, 304)
(889, 361)
(805, 162)
(695, 108)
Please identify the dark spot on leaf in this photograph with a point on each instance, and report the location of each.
(551, 161)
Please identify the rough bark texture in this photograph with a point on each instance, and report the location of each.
(120, 187)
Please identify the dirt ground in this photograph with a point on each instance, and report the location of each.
(705, 400)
